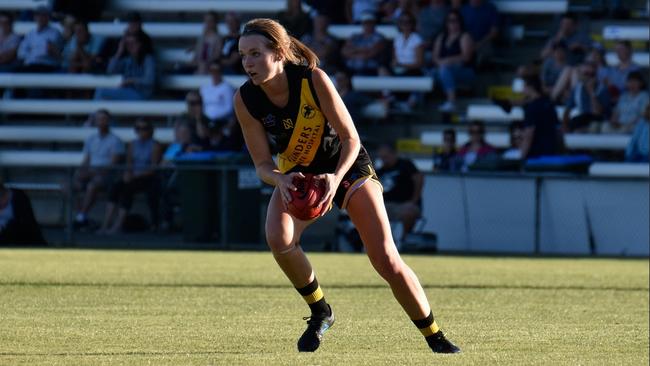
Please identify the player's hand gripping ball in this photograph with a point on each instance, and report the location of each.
(304, 200)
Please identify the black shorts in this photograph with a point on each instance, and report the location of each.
(360, 172)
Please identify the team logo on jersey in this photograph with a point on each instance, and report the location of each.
(269, 120)
(308, 111)
(287, 123)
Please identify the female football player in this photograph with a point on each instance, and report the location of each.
(291, 100)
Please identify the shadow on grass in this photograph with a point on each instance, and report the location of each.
(331, 286)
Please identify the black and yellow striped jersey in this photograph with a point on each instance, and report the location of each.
(303, 137)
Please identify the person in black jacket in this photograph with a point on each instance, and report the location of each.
(17, 223)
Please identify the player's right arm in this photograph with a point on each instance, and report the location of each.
(258, 147)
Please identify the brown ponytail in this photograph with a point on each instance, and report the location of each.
(285, 45)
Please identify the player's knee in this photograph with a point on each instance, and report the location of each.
(388, 266)
(277, 240)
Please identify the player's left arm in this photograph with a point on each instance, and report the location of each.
(338, 116)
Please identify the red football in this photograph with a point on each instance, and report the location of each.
(304, 200)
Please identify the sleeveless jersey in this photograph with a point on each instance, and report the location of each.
(304, 139)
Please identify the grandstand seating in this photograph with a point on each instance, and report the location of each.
(63, 134)
(495, 114)
(639, 32)
(640, 58)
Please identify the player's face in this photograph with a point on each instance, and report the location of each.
(260, 63)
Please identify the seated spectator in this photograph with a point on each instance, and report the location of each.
(40, 50)
(183, 133)
(577, 41)
(230, 59)
(354, 101)
(476, 149)
(481, 21)
(138, 70)
(134, 28)
(81, 53)
(142, 158)
(553, 67)
(194, 113)
(217, 97)
(208, 45)
(541, 124)
(323, 45)
(516, 133)
(617, 75)
(9, 42)
(295, 20)
(591, 99)
(102, 151)
(402, 184)
(570, 74)
(364, 52)
(637, 148)
(213, 136)
(17, 223)
(356, 9)
(431, 21)
(453, 54)
(445, 158)
(630, 107)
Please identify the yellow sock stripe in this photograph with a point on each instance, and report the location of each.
(430, 330)
(314, 296)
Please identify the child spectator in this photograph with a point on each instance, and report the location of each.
(9, 42)
(630, 107)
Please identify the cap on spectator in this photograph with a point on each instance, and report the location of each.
(367, 17)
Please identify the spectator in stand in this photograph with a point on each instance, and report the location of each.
(541, 124)
(570, 75)
(9, 42)
(295, 20)
(364, 52)
(355, 9)
(194, 113)
(81, 53)
(354, 101)
(617, 75)
(217, 97)
(230, 59)
(516, 134)
(208, 45)
(40, 50)
(481, 20)
(214, 136)
(445, 157)
(138, 70)
(577, 41)
(630, 107)
(402, 183)
(453, 54)
(67, 27)
(431, 21)
(393, 10)
(142, 158)
(553, 67)
(134, 27)
(17, 223)
(476, 149)
(591, 99)
(323, 45)
(637, 149)
(183, 132)
(102, 151)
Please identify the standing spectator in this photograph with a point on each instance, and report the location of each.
(142, 158)
(637, 149)
(355, 9)
(208, 45)
(554, 66)
(591, 99)
(81, 53)
(102, 151)
(481, 20)
(617, 75)
(540, 135)
(230, 60)
(295, 20)
(9, 42)
(40, 50)
(354, 101)
(364, 52)
(630, 107)
(402, 184)
(217, 97)
(516, 136)
(138, 70)
(323, 45)
(431, 21)
(577, 41)
(445, 158)
(17, 223)
(476, 149)
(453, 54)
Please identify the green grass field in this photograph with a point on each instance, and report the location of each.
(203, 308)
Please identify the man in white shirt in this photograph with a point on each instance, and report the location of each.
(217, 96)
